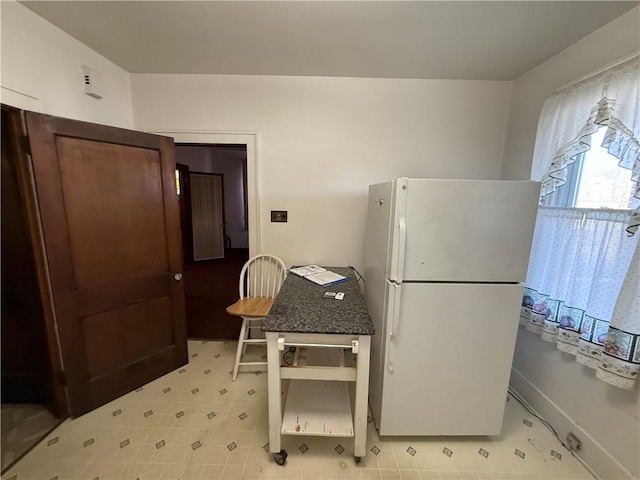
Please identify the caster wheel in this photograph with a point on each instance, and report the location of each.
(280, 457)
(357, 459)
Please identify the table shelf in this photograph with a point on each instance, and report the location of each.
(318, 408)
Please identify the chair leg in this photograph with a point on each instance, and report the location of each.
(247, 334)
(240, 349)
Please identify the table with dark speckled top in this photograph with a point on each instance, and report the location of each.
(321, 330)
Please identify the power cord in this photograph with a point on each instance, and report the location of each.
(359, 277)
(544, 422)
(287, 352)
(552, 430)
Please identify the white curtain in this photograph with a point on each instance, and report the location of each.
(569, 118)
(583, 285)
(580, 260)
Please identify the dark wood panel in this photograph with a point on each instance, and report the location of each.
(119, 337)
(115, 221)
(95, 300)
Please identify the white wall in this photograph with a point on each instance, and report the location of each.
(41, 71)
(323, 141)
(606, 418)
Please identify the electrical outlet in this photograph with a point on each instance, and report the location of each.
(573, 442)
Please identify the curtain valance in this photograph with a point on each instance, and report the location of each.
(569, 118)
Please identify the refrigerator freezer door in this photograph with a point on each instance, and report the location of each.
(452, 355)
(378, 233)
(467, 230)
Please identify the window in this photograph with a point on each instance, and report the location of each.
(584, 266)
(178, 182)
(595, 180)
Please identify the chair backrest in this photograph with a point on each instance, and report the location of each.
(262, 276)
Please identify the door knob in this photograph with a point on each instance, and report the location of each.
(177, 277)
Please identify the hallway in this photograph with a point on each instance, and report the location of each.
(210, 287)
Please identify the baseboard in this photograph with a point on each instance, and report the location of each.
(592, 455)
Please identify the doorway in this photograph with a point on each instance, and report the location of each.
(215, 245)
(26, 393)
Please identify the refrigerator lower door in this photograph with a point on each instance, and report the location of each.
(381, 296)
(447, 362)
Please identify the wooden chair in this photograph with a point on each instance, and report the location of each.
(260, 281)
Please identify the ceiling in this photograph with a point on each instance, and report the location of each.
(481, 40)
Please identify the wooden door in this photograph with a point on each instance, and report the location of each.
(109, 220)
(207, 216)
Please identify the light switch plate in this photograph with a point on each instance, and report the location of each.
(278, 216)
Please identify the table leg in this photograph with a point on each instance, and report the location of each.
(362, 395)
(274, 392)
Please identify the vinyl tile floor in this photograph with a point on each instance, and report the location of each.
(195, 423)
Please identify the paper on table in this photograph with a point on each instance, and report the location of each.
(318, 275)
(326, 278)
(307, 270)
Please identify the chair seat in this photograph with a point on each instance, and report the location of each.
(251, 307)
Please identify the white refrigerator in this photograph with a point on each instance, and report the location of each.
(443, 264)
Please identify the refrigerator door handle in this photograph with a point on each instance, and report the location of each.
(397, 273)
(393, 330)
(399, 239)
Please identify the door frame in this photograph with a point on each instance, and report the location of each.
(251, 142)
(43, 388)
(59, 402)
(185, 212)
